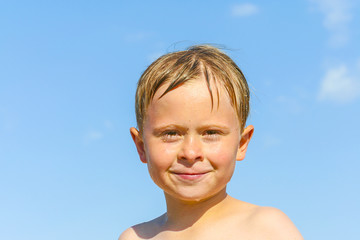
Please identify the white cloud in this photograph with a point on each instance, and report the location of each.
(339, 85)
(244, 10)
(337, 17)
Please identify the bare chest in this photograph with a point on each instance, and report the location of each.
(229, 232)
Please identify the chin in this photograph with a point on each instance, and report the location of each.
(193, 196)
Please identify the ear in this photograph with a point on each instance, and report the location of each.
(244, 142)
(139, 143)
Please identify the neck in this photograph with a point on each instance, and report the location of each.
(184, 214)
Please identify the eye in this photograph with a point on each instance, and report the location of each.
(170, 136)
(212, 134)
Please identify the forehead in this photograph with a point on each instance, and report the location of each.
(191, 101)
(207, 90)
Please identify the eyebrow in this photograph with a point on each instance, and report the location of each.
(223, 128)
(158, 130)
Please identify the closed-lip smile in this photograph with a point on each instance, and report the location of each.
(190, 175)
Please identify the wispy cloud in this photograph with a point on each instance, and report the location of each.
(92, 136)
(153, 56)
(270, 141)
(291, 104)
(340, 85)
(96, 135)
(136, 36)
(337, 17)
(244, 10)
(108, 124)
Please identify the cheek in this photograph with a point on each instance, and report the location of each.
(159, 160)
(223, 154)
(159, 157)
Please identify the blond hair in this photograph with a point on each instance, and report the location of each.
(179, 67)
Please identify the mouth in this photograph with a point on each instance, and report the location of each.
(190, 176)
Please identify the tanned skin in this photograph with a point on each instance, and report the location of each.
(191, 148)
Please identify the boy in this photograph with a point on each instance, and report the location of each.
(191, 109)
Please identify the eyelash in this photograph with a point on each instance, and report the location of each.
(211, 132)
(173, 135)
(212, 135)
(169, 136)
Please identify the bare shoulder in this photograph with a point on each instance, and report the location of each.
(128, 234)
(138, 232)
(144, 230)
(274, 224)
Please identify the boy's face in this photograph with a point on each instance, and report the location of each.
(189, 144)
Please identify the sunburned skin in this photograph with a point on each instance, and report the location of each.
(190, 146)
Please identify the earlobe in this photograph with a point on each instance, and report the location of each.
(136, 136)
(244, 142)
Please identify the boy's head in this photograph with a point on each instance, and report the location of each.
(179, 67)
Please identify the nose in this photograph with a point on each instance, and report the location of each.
(191, 149)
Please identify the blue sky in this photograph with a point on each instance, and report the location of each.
(68, 72)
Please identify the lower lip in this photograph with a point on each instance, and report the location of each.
(190, 176)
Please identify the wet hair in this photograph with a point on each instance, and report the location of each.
(177, 68)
